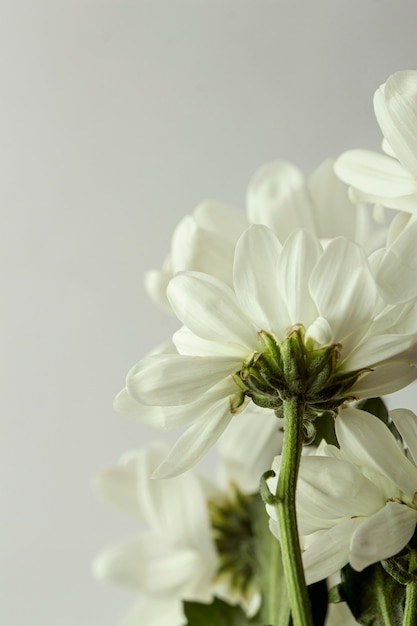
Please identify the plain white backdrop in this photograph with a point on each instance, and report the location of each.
(117, 117)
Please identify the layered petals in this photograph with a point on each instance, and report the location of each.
(356, 504)
(388, 179)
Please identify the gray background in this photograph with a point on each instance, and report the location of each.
(117, 117)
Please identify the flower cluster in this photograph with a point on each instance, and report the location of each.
(289, 314)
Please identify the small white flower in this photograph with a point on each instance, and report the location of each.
(176, 559)
(388, 179)
(333, 293)
(279, 196)
(357, 504)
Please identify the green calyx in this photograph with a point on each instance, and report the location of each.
(295, 369)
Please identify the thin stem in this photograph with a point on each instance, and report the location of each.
(381, 597)
(287, 520)
(410, 610)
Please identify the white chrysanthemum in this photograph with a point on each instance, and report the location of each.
(333, 293)
(357, 504)
(177, 558)
(278, 196)
(388, 179)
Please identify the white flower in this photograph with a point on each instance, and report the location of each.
(333, 293)
(278, 196)
(176, 559)
(388, 179)
(358, 504)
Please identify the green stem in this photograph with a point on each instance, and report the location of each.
(381, 598)
(410, 610)
(287, 520)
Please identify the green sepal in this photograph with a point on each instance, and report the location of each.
(373, 596)
(218, 613)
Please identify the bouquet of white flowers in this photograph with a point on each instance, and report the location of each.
(295, 318)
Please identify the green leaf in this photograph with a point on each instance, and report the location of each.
(324, 425)
(216, 614)
(319, 599)
(373, 596)
(377, 407)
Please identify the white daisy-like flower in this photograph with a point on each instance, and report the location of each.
(176, 559)
(278, 196)
(357, 504)
(362, 315)
(388, 179)
(182, 556)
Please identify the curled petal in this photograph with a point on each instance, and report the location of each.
(196, 440)
(172, 379)
(330, 551)
(382, 535)
(355, 430)
(395, 105)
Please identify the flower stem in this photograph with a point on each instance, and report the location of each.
(410, 610)
(287, 520)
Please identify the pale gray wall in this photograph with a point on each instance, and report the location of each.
(117, 117)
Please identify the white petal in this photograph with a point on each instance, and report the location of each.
(188, 343)
(375, 174)
(395, 105)
(196, 441)
(330, 489)
(299, 255)
(248, 446)
(396, 227)
(397, 270)
(117, 485)
(118, 563)
(220, 218)
(208, 307)
(334, 212)
(401, 203)
(278, 198)
(127, 406)
(374, 350)
(406, 422)
(320, 332)
(385, 379)
(195, 248)
(329, 552)
(343, 288)
(169, 379)
(383, 535)
(176, 507)
(156, 283)
(158, 610)
(256, 280)
(365, 440)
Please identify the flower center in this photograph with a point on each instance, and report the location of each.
(231, 522)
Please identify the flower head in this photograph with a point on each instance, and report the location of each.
(388, 179)
(200, 540)
(278, 196)
(177, 558)
(357, 504)
(342, 324)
